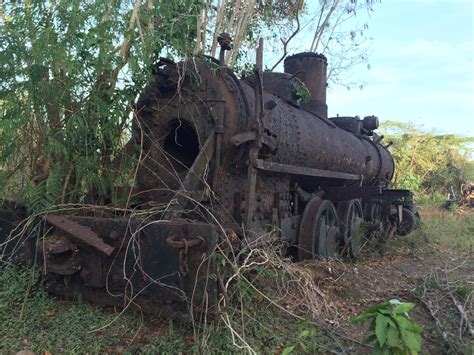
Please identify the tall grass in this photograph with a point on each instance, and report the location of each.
(452, 230)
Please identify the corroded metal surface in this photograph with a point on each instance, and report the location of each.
(310, 68)
(168, 261)
(79, 232)
(214, 106)
(296, 137)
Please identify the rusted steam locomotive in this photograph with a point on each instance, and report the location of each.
(227, 156)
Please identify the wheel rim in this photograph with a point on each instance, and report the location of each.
(408, 223)
(376, 212)
(354, 232)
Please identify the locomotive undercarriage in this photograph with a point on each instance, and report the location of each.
(334, 222)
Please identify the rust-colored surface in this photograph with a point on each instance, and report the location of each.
(80, 232)
(166, 262)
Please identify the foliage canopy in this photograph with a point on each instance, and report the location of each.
(427, 162)
(72, 70)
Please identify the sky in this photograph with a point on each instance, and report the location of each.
(421, 67)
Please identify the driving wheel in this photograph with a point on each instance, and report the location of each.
(318, 230)
(351, 218)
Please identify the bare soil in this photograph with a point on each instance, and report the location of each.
(419, 275)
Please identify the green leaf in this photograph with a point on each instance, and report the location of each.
(417, 328)
(362, 317)
(383, 305)
(393, 337)
(371, 312)
(288, 350)
(372, 326)
(377, 349)
(404, 323)
(391, 321)
(411, 340)
(304, 333)
(403, 308)
(303, 346)
(381, 328)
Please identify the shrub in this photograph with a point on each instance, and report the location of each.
(391, 331)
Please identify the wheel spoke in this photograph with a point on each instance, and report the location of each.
(351, 215)
(322, 236)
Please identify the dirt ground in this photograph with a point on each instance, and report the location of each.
(428, 275)
(414, 269)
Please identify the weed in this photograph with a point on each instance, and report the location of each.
(305, 339)
(391, 331)
(174, 341)
(434, 200)
(464, 291)
(301, 92)
(31, 319)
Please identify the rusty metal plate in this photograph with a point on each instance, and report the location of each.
(177, 255)
(162, 261)
(79, 232)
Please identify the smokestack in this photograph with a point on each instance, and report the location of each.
(310, 68)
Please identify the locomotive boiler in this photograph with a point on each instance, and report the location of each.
(235, 159)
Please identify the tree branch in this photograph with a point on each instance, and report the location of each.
(320, 29)
(219, 21)
(125, 46)
(285, 43)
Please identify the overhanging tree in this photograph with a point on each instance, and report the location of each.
(71, 71)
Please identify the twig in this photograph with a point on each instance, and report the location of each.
(439, 326)
(464, 317)
(460, 308)
(223, 289)
(428, 304)
(320, 30)
(285, 43)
